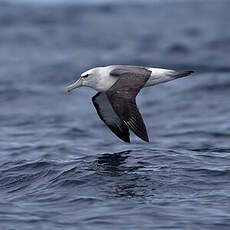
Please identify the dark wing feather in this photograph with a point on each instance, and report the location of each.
(122, 96)
(119, 71)
(109, 117)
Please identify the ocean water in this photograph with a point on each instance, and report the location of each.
(95, 2)
(61, 168)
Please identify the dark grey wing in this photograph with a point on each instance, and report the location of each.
(122, 96)
(126, 69)
(109, 117)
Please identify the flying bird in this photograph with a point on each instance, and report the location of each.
(118, 86)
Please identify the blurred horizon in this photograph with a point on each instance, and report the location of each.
(91, 2)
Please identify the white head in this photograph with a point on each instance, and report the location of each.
(97, 78)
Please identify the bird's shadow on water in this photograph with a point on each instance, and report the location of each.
(110, 175)
(116, 164)
(113, 163)
(120, 176)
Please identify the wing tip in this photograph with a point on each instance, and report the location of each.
(126, 141)
(125, 137)
(145, 138)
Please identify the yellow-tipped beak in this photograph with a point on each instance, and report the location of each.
(74, 85)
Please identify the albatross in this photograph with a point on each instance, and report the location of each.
(118, 86)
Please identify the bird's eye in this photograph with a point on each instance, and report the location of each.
(85, 76)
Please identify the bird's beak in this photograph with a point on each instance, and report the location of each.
(74, 85)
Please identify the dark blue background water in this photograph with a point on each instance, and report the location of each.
(61, 168)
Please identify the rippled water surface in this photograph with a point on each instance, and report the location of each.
(61, 168)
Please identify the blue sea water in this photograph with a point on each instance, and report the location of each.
(93, 2)
(61, 168)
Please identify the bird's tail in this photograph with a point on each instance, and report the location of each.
(163, 75)
(180, 74)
